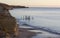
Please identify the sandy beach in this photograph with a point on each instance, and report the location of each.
(24, 33)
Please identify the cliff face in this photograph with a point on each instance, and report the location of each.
(8, 24)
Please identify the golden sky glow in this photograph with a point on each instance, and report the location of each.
(48, 3)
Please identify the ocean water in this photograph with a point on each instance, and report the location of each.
(42, 17)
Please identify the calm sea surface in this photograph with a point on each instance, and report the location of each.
(45, 17)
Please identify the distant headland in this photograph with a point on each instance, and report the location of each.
(16, 6)
(12, 6)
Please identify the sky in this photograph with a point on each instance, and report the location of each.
(33, 3)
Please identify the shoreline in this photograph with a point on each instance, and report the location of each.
(24, 33)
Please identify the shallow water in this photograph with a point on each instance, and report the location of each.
(42, 17)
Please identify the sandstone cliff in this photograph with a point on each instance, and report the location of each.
(8, 25)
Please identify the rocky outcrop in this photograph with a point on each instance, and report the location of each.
(8, 25)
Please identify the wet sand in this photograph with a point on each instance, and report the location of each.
(24, 33)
